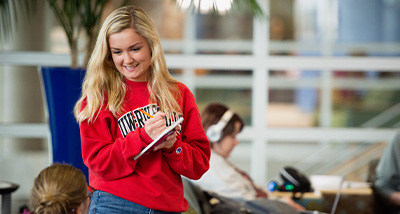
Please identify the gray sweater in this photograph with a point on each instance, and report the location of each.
(388, 170)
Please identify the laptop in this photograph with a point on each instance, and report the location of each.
(335, 202)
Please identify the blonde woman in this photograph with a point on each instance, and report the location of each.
(128, 99)
(60, 188)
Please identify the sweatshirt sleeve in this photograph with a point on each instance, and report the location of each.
(108, 156)
(388, 170)
(190, 154)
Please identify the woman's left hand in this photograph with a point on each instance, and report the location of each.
(169, 141)
(292, 203)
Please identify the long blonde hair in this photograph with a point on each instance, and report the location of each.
(103, 79)
(59, 188)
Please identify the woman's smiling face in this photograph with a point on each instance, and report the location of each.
(131, 54)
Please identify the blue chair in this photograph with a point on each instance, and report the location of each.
(62, 88)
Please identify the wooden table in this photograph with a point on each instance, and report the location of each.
(352, 200)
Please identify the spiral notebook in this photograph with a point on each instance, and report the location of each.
(168, 131)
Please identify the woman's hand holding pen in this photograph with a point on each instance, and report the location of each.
(155, 126)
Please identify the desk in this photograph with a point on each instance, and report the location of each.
(352, 200)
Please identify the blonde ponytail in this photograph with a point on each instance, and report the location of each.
(59, 188)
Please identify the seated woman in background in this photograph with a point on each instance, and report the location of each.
(60, 188)
(221, 126)
(387, 184)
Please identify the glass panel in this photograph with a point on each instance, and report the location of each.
(370, 29)
(230, 26)
(358, 99)
(293, 98)
(232, 88)
(281, 27)
(212, 33)
(375, 104)
(168, 18)
(329, 158)
(338, 27)
(224, 34)
(22, 101)
(293, 27)
(281, 20)
(239, 100)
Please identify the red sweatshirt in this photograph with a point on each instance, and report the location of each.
(154, 180)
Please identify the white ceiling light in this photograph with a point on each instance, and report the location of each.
(205, 6)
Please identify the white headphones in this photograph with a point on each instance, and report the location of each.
(214, 132)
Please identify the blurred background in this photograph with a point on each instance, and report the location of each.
(317, 82)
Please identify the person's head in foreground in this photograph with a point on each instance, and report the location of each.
(60, 188)
(221, 125)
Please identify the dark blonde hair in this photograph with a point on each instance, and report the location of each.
(59, 188)
(103, 79)
(213, 113)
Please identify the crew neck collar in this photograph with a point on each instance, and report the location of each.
(134, 83)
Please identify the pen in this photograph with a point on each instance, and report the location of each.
(145, 113)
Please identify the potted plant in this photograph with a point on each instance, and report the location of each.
(75, 16)
(62, 85)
